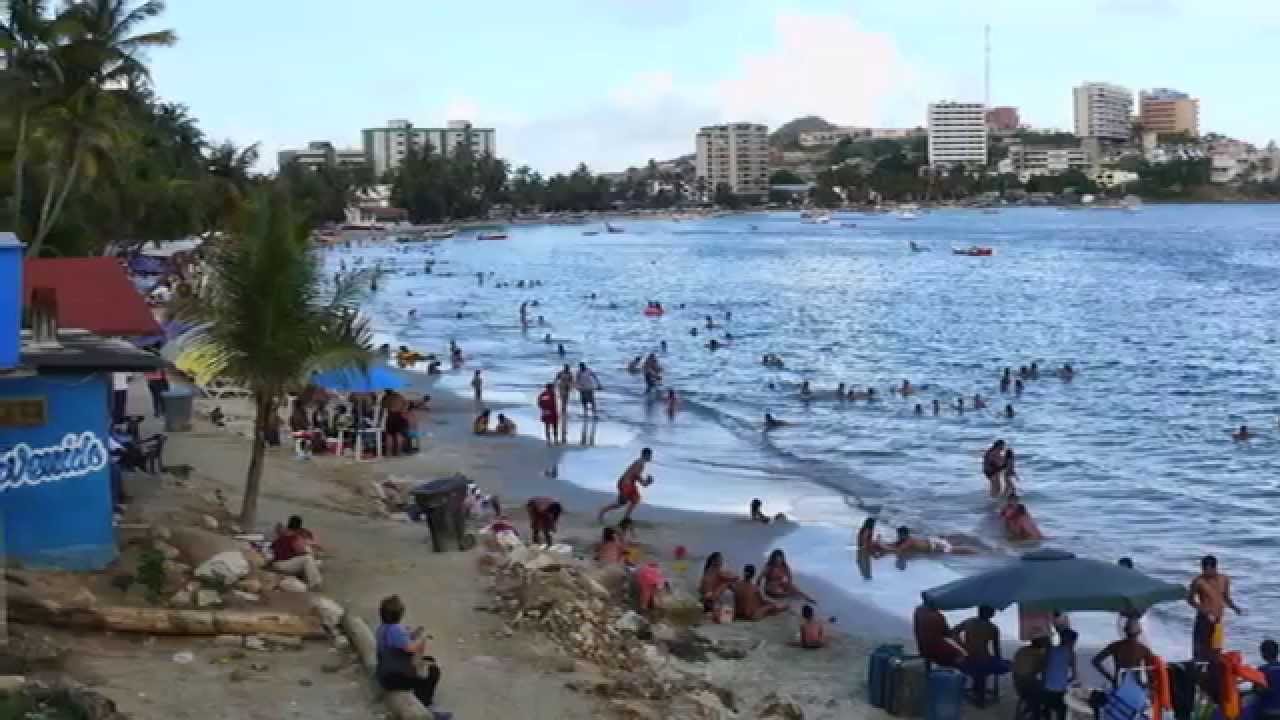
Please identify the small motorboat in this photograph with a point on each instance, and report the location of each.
(491, 236)
(613, 228)
(974, 251)
(590, 233)
(908, 215)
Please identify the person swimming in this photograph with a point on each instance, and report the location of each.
(1067, 372)
(919, 410)
(1018, 387)
(771, 422)
(1019, 526)
(905, 389)
(806, 392)
(1008, 412)
(1242, 435)
(937, 407)
(634, 365)
(713, 344)
(960, 405)
(1006, 380)
(978, 402)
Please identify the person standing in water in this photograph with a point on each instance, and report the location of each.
(564, 387)
(1210, 595)
(477, 388)
(629, 486)
(548, 412)
(588, 385)
(673, 404)
(993, 467)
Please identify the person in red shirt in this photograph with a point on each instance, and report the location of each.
(291, 553)
(934, 639)
(550, 413)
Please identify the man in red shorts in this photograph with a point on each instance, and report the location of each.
(629, 486)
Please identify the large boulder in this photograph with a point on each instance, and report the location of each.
(224, 569)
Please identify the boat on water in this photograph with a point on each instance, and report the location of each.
(817, 219)
(974, 251)
(491, 236)
(590, 233)
(613, 228)
(916, 247)
(908, 215)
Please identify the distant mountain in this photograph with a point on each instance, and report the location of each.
(790, 132)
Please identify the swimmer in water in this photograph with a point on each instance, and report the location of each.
(1034, 371)
(693, 332)
(905, 389)
(840, 392)
(1008, 412)
(728, 337)
(805, 391)
(1019, 526)
(978, 402)
(673, 403)
(634, 365)
(919, 410)
(960, 405)
(710, 323)
(1242, 435)
(547, 338)
(937, 408)
(1017, 387)
(771, 422)
(1067, 372)
(757, 512)
(663, 346)
(560, 349)
(713, 344)
(1006, 380)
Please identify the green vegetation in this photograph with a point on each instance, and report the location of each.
(785, 177)
(151, 574)
(267, 319)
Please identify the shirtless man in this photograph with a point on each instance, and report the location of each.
(1126, 654)
(748, 602)
(564, 386)
(629, 486)
(1210, 595)
(993, 467)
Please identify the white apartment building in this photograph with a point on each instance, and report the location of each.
(321, 153)
(818, 138)
(736, 154)
(1103, 111)
(1028, 161)
(385, 147)
(957, 133)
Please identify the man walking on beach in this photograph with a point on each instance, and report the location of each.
(1210, 595)
(477, 387)
(588, 384)
(629, 486)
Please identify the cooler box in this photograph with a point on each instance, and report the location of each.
(945, 697)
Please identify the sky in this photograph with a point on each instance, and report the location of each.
(613, 83)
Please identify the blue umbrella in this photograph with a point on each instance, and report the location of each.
(375, 378)
(1056, 580)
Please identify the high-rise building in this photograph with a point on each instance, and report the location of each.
(1103, 111)
(736, 154)
(1166, 111)
(1003, 118)
(385, 147)
(957, 133)
(321, 153)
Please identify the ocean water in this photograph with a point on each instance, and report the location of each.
(1170, 316)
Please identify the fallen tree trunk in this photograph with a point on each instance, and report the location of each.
(404, 705)
(27, 608)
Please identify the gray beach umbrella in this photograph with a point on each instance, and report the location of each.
(1056, 580)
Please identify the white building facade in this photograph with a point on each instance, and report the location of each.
(957, 133)
(385, 147)
(321, 153)
(736, 154)
(1103, 111)
(1028, 161)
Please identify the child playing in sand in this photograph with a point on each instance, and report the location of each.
(813, 632)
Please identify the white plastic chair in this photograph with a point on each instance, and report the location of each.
(373, 434)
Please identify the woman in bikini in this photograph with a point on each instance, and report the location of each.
(714, 581)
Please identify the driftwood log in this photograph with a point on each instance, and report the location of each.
(27, 608)
(404, 705)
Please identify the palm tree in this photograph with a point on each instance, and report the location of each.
(231, 182)
(102, 54)
(26, 34)
(266, 320)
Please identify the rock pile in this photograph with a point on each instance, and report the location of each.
(626, 660)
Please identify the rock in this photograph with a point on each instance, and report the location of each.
(630, 621)
(253, 642)
(245, 596)
(289, 642)
(186, 657)
(704, 704)
(293, 585)
(250, 585)
(176, 569)
(161, 533)
(329, 611)
(168, 551)
(633, 710)
(83, 599)
(225, 568)
(207, 597)
(773, 706)
(182, 598)
(209, 522)
(664, 632)
(228, 640)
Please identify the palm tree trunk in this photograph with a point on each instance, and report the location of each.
(253, 480)
(19, 170)
(49, 212)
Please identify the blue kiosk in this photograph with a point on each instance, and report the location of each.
(55, 386)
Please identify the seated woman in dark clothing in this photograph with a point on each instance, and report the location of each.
(398, 651)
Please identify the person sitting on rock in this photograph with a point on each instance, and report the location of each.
(398, 649)
(291, 553)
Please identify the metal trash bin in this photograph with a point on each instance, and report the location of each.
(178, 405)
(442, 502)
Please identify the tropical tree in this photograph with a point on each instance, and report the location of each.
(268, 320)
(26, 33)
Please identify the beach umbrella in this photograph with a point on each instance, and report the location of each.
(375, 378)
(1056, 580)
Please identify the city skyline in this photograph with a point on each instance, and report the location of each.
(613, 83)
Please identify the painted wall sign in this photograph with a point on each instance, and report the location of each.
(23, 412)
(77, 455)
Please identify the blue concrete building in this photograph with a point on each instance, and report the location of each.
(55, 460)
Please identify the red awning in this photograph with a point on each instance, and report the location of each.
(94, 294)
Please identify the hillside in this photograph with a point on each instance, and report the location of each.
(789, 132)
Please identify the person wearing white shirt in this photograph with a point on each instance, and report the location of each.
(588, 384)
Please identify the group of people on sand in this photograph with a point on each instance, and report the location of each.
(729, 596)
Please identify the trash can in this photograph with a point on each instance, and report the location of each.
(178, 404)
(441, 501)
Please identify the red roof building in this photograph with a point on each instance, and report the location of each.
(93, 293)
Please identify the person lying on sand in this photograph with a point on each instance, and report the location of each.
(748, 602)
(776, 580)
(772, 423)
(715, 579)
